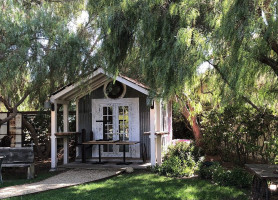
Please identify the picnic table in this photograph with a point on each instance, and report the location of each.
(117, 142)
(262, 174)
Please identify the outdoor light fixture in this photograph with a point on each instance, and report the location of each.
(47, 105)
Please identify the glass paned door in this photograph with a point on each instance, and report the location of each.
(123, 121)
(116, 120)
(108, 127)
(115, 127)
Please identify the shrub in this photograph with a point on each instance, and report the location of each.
(236, 177)
(180, 160)
(240, 178)
(240, 134)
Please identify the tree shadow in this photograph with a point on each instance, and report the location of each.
(143, 186)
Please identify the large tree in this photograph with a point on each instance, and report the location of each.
(167, 40)
(40, 51)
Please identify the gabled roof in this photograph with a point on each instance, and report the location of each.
(96, 80)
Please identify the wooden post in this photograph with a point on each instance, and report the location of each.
(77, 127)
(66, 129)
(53, 138)
(159, 128)
(152, 136)
(83, 139)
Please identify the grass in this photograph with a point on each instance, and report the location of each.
(143, 185)
(10, 179)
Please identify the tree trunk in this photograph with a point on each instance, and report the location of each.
(14, 112)
(34, 135)
(187, 110)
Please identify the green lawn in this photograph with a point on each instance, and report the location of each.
(143, 185)
(19, 179)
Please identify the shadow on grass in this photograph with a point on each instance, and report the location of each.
(143, 186)
(20, 178)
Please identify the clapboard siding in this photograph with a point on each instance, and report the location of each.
(85, 114)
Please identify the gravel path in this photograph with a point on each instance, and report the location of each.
(64, 179)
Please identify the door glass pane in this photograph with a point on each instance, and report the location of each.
(107, 127)
(123, 126)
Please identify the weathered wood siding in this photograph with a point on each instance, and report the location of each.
(85, 115)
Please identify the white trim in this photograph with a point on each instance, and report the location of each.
(92, 89)
(58, 101)
(132, 85)
(95, 73)
(157, 108)
(66, 129)
(134, 121)
(78, 148)
(73, 86)
(152, 137)
(53, 138)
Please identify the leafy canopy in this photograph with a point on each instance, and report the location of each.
(38, 50)
(166, 41)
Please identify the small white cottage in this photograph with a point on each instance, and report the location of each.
(118, 117)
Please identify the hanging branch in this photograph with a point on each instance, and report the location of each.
(231, 87)
(13, 110)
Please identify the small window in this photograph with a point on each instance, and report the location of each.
(114, 90)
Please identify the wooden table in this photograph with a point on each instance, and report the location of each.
(262, 174)
(125, 143)
(66, 134)
(117, 142)
(99, 143)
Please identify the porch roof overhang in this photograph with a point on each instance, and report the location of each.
(97, 79)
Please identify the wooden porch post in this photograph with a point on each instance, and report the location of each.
(77, 126)
(159, 122)
(152, 136)
(66, 129)
(53, 137)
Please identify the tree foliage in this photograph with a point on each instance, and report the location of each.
(168, 40)
(38, 51)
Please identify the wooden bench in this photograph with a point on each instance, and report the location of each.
(19, 157)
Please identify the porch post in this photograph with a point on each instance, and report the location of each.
(66, 129)
(77, 126)
(152, 136)
(53, 137)
(159, 123)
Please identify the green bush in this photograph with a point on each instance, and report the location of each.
(236, 177)
(240, 178)
(238, 134)
(181, 160)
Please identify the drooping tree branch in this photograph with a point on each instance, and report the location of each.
(270, 62)
(274, 46)
(247, 100)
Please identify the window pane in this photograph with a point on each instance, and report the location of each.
(104, 110)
